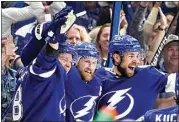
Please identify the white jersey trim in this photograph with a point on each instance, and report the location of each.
(43, 75)
(170, 87)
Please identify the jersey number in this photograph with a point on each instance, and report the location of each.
(17, 106)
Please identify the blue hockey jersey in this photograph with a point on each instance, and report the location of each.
(81, 97)
(133, 97)
(162, 115)
(41, 94)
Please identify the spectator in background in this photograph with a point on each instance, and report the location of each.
(13, 15)
(102, 43)
(77, 34)
(123, 23)
(14, 18)
(170, 55)
(129, 11)
(169, 17)
(136, 26)
(97, 13)
(93, 33)
(169, 64)
(8, 74)
(105, 13)
(154, 31)
(169, 6)
(17, 63)
(174, 27)
(92, 9)
(89, 20)
(177, 28)
(151, 26)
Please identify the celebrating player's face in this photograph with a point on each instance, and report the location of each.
(129, 62)
(66, 60)
(86, 67)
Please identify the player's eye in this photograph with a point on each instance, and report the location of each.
(131, 56)
(87, 61)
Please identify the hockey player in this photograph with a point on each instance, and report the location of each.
(86, 83)
(131, 90)
(167, 114)
(41, 94)
(82, 87)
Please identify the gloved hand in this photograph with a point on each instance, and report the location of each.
(51, 30)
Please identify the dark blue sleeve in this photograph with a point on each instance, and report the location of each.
(45, 64)
(31, 50)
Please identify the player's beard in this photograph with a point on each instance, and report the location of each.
(124, 72)
(87, 76)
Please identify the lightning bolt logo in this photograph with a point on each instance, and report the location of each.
(116, 98)
(88, 107)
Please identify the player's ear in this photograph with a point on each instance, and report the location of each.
(116, 58)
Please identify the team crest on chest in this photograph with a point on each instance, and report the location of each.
(113, 99)
(81, 107)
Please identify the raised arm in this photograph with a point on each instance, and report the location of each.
(45, 63)
(136, 28)
(37, 41)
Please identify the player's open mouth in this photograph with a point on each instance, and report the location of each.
(87, 71)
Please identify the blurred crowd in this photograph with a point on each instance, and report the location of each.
(146, 21)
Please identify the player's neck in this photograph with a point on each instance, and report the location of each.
(115, 70)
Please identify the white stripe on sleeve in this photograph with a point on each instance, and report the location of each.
(43, 75)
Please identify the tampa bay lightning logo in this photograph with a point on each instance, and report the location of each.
(115, 97)
(82, 108)
(62, 105)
